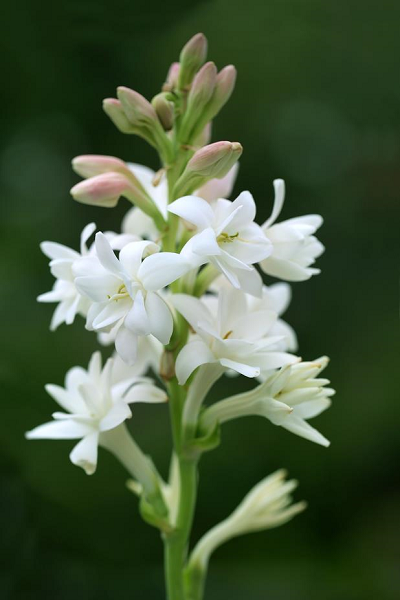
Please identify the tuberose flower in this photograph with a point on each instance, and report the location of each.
(295, 248)
(124, 290)
(232, 335)
(96, 401)
(227, 237)
(287, 398)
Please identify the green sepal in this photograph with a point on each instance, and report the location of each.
(155, 513)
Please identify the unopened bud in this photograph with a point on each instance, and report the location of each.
(172, 78)
(164, 109)
(212, 161)
(191, 58)
(144, 119)
(101, 190)
(204, 137)
(200, 93)
(89, 165)
(224, 87)
(215, 160)
(106, 189)
(113, 108)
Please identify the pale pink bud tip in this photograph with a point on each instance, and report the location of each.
(90, 165)
(101, 190)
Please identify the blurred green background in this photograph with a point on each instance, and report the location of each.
(317, 103)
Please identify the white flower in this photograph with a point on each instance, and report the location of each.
(295, 247)
(124, 292)
(136, 222)
(275, 297)
(62, 259)
(235, 337)
(227, 237)
(96, 401)
(287, 398)
(267, 505)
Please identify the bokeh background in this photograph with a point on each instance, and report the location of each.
(317, 103)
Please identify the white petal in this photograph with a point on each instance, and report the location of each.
(98, 288)
(137, 319)
(254, 325)
(194, 210)
(54, 250)
(126, 345)
(284, 269)
(106, 255)
(66, 429)
(68, 400)
(85, 235)
(203, 244)
(303, 429)
(192, 309)
(247, 213)
(159, 270)
(85, 453)
(239, 367)
(111, 313)
(191, 356)
(132, 254)
(279, 186)
(145, 392)
(119, 412)
(160, 318)
(308, 410)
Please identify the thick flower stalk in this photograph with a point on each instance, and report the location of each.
(179, 291)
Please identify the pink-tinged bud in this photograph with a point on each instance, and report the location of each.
(215, 160)
(101, 190)
(204, 137)
(212, 161)
(89, 165)
(138, 110)
(200, 93)
(164, 109)
(172, 78)
(224, 87)
(113, 108)
(191, 58)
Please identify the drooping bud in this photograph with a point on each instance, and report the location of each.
(106, 189)
(200, 93)
(191, 58)
(172, 78)
(90, 165)
(101, 190)
(212, 161)
(113, 108)
(164, 109)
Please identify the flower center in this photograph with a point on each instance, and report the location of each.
(225, 238)
(121, 293)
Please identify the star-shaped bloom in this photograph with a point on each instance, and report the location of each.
(63, 261)
(124, 292)
(226, 237)
(295, 248)
(96, 401)
(234, 336)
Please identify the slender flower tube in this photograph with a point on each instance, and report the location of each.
(287, 398)
(267, 505)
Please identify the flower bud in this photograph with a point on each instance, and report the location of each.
(164, 109)
(90, 165)
(200, 93)
(204, 136)
(172, 78)
(144, 120)
(113, 108)
(224, 87)
(212, 161)
(101, 190)
(107, 188)
(192, 56)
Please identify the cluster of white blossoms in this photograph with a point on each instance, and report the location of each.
(179, 292)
